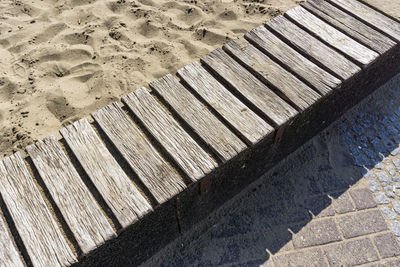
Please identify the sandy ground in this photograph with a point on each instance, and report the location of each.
(62, 60)
(388, 6)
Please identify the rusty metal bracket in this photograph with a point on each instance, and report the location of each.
(279, 133)
(205, 185)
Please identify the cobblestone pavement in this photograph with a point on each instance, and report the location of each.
(334, 202)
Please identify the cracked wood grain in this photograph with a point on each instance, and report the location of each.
(371, 16)
(151, 168)
(249, 125)
(270, 44)
(39, 232)
(250, 88)
(314, 48)
(332, 36)
(291, 88)
(350, 25)
(206, 125)
(80, 210)
(9, 253)
(190, 157)
(118, 191)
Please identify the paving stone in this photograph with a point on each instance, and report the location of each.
(381, 198)
(392, 170)
(396, 206)
(362, 223)
(388, 263)
(383, 178)
(237, 225)
(379, 166)
(295, 213)
(363, 199)
(395, 228)
(278, 214)
(373, 185)
(317, 233)
(307, 186)
(395, 151)
(388, 213)
(378, 146)
(396, 179)
(351, 253)
(360, 160)
(309, 258)
(369, 174)
(387, 245)
(332, 182)
(389, 191)
(319, 206)
(347, 137)
(342, 203)
(268, 263)
(396, 162)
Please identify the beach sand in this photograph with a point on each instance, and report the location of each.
(62, 60)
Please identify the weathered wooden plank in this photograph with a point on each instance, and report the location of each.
(250, 126)
(272, 73)
(217, 136)
(117, 190)
(315, 49)
(80, 210)
(43, 240)
(157, 175)
(274, 47)
(9, 255)
(371, 16)
(190, 157)
(250, 88)
(350, 25)
(332, 36)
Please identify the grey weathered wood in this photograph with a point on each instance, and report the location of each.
(80, 210)
(9, 255)
(157, 175)
(276, 48)
(271, 72)
(43, 240)
(218, 137)
(190, 157)
(332, 36)
(249, 125)
(371, 16)
(252, 89)
(118, 191)
(350, 25)
(314, 48)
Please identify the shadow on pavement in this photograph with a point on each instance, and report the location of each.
(308, 184)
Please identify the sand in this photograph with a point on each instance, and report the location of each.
(390, 7)
(62, 60)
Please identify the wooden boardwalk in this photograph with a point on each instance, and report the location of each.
(143, 173)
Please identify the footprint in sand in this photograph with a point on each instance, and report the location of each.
(19, 70)
(7, 88)
(83, 72)
(59, 107)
